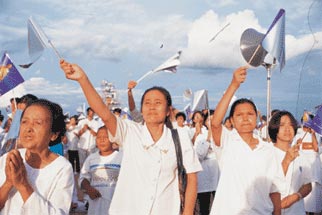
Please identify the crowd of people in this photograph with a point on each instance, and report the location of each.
(242, 163)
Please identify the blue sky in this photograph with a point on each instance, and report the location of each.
(119, 40)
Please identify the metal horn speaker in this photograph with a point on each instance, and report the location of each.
(251, 48)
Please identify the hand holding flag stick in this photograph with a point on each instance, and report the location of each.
(169, 65)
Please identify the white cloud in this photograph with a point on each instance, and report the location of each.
(16, 92)
(224, 51)
(296, 46)
(40, 86)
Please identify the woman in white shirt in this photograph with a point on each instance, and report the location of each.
(248, 182)
(35, 180)
(297, 172)
(148, 182)
(209, 176)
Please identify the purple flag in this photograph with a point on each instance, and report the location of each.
(9, 75)
(316, 122)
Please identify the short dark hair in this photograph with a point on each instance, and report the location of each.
(181, 114)
(274, 124)
(27, 99)
(88, 109)
(56, 115)
(118, 110)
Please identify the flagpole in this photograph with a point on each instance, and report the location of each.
(268, 68)
(57, 53)
(144, 76)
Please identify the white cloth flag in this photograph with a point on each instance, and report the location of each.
(200, 100)
(169, 65)
(37, 41)
(274, 39)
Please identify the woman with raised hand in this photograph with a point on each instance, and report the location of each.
(33, 179)
(148, 182)
(249, 173)
(297, 170)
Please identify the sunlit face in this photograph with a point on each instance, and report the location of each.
(286, 130)
(198, 118)
(35, 128)
(90, 113)
(154, 107)
(102, 141)
(180, 121)
(244, 118)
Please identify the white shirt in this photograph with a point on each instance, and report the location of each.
(72, 138)
(247, 177)
(298, 174)
(102, 172)
(310, 155)
(87, 140)
(53, 188)
(209, 176)
(148, 180)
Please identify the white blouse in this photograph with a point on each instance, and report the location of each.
(148, 179)
(53, 187)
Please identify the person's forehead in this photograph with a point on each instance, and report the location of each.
(156, 94)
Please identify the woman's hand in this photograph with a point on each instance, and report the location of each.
(131, 85)
(239, 76)
(16, 170)
(72, 71)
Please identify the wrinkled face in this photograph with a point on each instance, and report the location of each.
(286, 130)
(102, 141)
(244, 118)
(180, 121)
(35, 128)
(154, 107)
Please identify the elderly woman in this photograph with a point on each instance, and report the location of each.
(148, 183)
(33, 179)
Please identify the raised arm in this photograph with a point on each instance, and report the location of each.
(75, 72)
(131, 101)
(239, 77)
